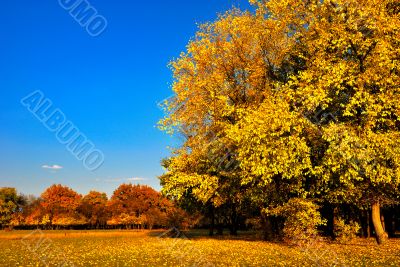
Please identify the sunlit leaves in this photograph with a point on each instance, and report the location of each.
(304, 95)
(271, 142)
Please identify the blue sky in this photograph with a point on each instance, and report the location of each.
(108, 86)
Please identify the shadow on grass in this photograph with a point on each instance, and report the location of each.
(254, 236)
(204, 234)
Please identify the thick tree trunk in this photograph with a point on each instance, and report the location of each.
(380, 233)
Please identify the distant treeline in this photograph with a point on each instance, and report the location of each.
(131, 206)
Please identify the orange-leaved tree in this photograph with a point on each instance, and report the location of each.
(94, 207)
(61, 204)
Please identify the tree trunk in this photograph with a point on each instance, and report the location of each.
(380, 233)
(368, 225)
(234, 221)
(211, 233)
(266, 228)
(335, 221)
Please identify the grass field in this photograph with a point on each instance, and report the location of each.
(153, 248)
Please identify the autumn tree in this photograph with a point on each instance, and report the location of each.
(302, 94)
(94, 207)
(135, 205)
(60, 204)
(347, 88)
(350, 51)
(34, 213)
(229, 67)
(9, 205)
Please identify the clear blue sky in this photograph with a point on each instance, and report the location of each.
(108, 86)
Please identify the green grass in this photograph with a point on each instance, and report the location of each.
(146, 248)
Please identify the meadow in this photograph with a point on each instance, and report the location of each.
(157, 248)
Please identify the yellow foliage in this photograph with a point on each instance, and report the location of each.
(298, 91)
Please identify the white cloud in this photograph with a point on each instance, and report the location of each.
(52, 167)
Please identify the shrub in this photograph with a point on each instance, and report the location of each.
(301, 219)
(346, 231)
